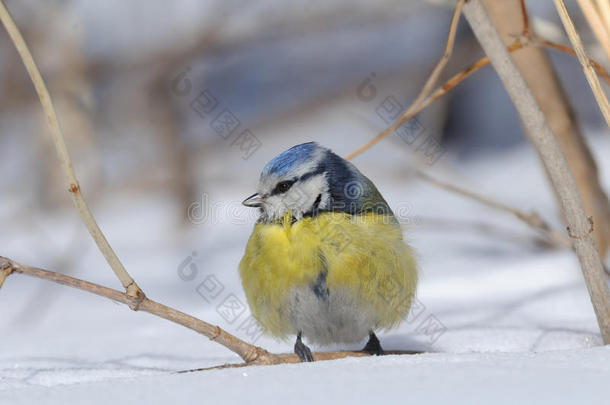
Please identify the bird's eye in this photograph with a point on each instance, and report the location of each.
(283, 186)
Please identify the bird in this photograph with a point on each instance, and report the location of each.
(326, 261)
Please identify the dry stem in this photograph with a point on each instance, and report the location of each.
(247, 352)
(537, 70)
(533, 219)
(462, 75)
(414, 109)
(432, 79)
(251, 354)
(599, 69)
(595, 21)
(596, 87)
(62, 151)
(525, 32)
(604, 9)
(579, 227)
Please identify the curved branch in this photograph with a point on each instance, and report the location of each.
(432, 79)
(594, 17)
(251, 354)
(423, 102)
(599, 69)
(532, 219)
(596, 87)
(66, 164)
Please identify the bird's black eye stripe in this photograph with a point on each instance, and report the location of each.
(316, 203)
(283, 186)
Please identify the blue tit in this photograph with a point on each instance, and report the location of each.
(326, 260)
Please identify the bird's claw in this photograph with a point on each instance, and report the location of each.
(373, 347)
(302, 350)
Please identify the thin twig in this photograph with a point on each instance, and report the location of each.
(413, 110)
(599, 69)
(460, 76)
(527, 39)
(247, 352)
(579, 226)
(533, 219)
(525, 31)
(62, 151)
(604, 9)
(251, 354)
(432, 79)
(596, 87)
(5, 271)
(596, 23)
(290, 358)
(515, 46)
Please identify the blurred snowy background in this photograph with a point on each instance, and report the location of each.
(142, 89)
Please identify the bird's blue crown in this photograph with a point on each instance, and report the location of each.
(291, 158)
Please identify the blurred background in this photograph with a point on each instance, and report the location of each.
(170, 111)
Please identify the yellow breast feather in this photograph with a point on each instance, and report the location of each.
(363, 254)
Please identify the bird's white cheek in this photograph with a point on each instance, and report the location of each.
(309, 191)
(274, 207)
(296, 199)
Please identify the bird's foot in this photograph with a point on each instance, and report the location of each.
(302, 350)
(373, 347)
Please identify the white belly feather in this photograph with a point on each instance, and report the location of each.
(336, 317)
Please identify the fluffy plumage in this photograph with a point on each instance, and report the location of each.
(326, 258)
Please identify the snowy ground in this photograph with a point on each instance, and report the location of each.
(500, 320)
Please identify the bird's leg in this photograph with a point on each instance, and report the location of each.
(373, 347)
(301, 350)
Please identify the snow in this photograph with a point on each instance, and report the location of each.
(500, 320)
(499, 378)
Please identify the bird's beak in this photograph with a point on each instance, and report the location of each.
(254, 200)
